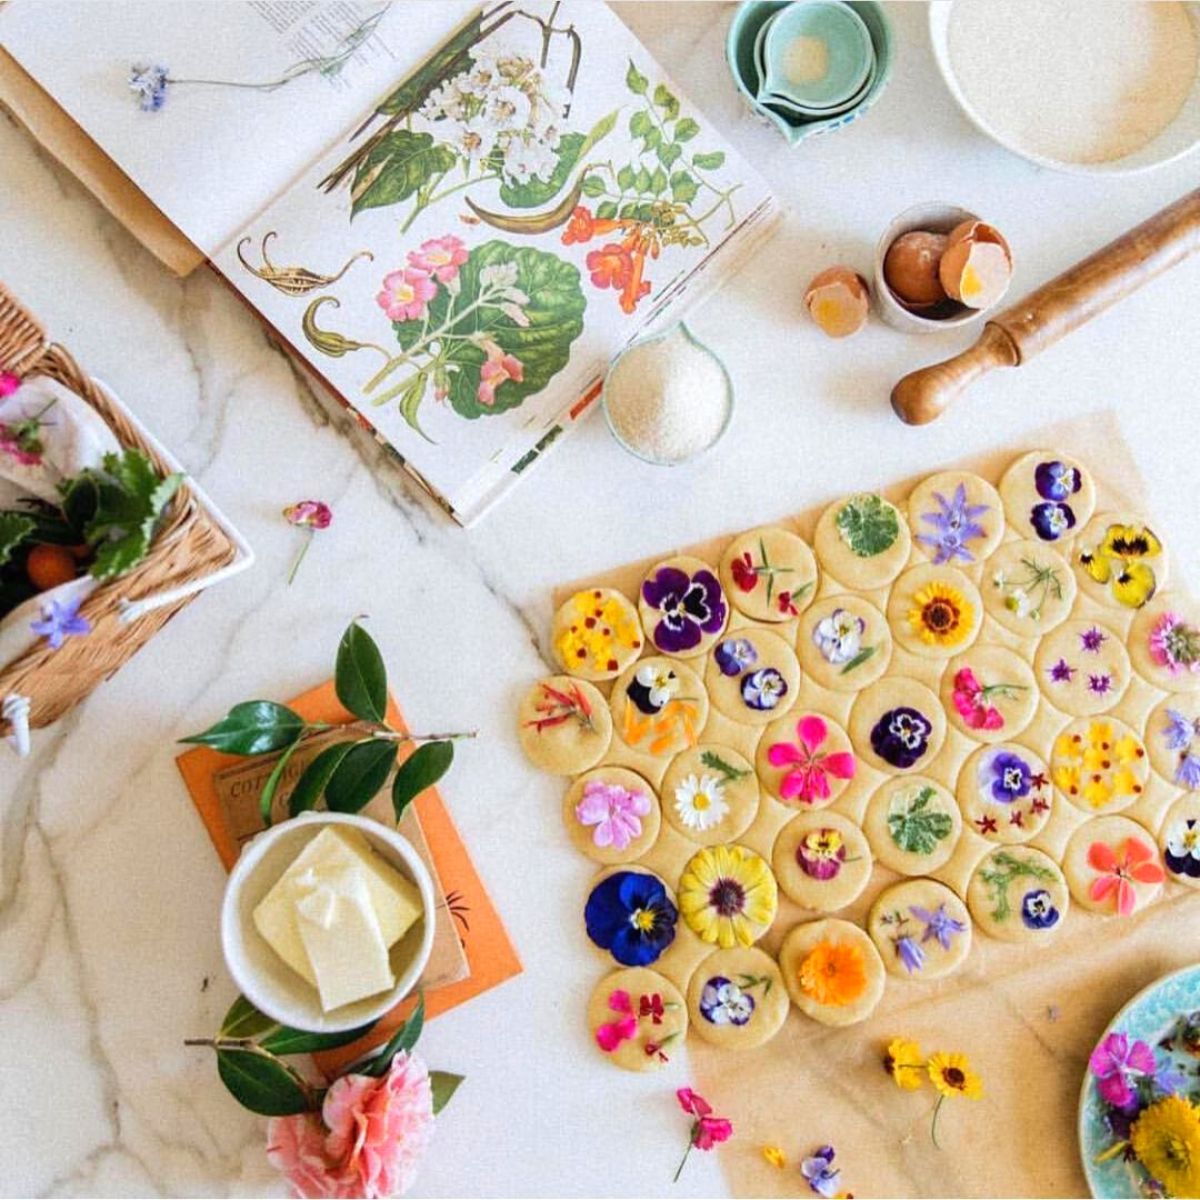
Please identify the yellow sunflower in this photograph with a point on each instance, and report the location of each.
(1119, 560)
(905, 1063)
(1166, 1140)
(727, 895)
(941, 615)
(952, 1075)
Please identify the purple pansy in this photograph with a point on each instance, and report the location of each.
(1061, 672)
(1181, 850)
(723, 1002)
(762, 690)
(955, 524)
(1101, 684)
(690, 606)
(61, 621)
(734, 655)
(901, 736)
(1117, 1062)
(1181, 734)
(1051, 520)
(1038, 910)
(1055, 480)
(1092, 639)
(910, 954)
(1008, 775)
(938, 924)
(823, 1177)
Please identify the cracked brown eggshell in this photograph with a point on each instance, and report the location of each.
(911, 268)
(976, 265)
(838, 300)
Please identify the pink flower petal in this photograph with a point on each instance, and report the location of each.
(1136, 851)
(840, 764)
(1141, 1058)
(1102, 888)
(783, 754)
(620, 1001)
(1126, 898)
(812, 731)
(1101, 857)
(1115, 1090)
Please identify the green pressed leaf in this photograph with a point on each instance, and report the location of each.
(635, 81)
(684, 187)
(311, 785)
(593, 185)
(267, 796)
(243, 1020)
(712, 760)
(358, 777)
(422, 769)
(360, 677)
(405, 1038)
(857, 661)
(443, 1084)
(15, 528)
(640, 123)
(652, 140)
(261, 1083)
(918, 829)
(710, 161)
(398, 165)
(685, 129)
(295, 1041)
(449, 59)
(668, 152)
(666, 101)
(641, 180)
(868, 524)
(253, 727)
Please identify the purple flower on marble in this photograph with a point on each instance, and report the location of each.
(910, 954)
(1055, 480)
(689, 606)
(1061, 672)
(734, 655)
(61, 621)
(1101, 684)
(954, 524)
(938, 924)
(1092, 639)
(1051, 520)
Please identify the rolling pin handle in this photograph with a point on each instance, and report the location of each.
(924, 395)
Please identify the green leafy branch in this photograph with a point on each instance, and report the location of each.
(250, 1049)
(712, 760)
(350, 773)
(1005, 869)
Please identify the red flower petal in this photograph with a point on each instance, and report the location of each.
(1101, 857)
(812, 731)
(840, 764)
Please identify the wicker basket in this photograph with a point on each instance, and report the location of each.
(194, 547)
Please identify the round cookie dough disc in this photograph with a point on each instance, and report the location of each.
(769, 574)
(929, 920)
(1083, 668)
(1112, 866)
(752, 676)
(934, 612)
(844, 643)
(736, 999)
(1028, 587)
(1099, 764)
(682, 606)
(821, 861)
(832, 958)
(814, 757)
(1164, 643)
(638, 1053)
(1119, 560)
(1005, 794)
(862, 541)
(956, 517)
(1173, 741)
(1018, 894)
(1179, 841)
(564, 725)
(611, 815)
(912, 824)
(643, 892)
(728, 895)
(710, 794)
(897, 725)
(989, 693)
(659, 706)
(596, 634)
(1048, 496)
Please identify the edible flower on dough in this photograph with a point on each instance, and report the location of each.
(1118, 561)
(834, 973)
(630, 915)
(1133, 861)
(614, 811)
(941, 615)
(727, 895)
(808, 778)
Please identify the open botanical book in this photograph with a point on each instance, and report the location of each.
(454, 217)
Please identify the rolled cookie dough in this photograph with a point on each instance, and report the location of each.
(1099, 764)
(862, 541)
(1179, 841)
(640, 1033)
(1119, 560)
(596, 634)
(821, 861)
(844, 643)
(682, 606)
(659, 706)
(736, 998)
(752, 676)
(1028, 587)
(1164, 643)
(1005, 794)
(769, 574)
(564, 725)
(832, 971)
(912, 824)
(611, 815)
(921, 929)
(934, 612)
(989, 693)
(1112, 866)
(897, 725)
(805, 760)
(1083, 668)
(710, 794)
(1018, 894)
(1173, 741)
(956, 517)
(1047, 495)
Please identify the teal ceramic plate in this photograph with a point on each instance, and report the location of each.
(1149, 1016)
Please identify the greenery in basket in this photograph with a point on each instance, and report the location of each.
(349, 773)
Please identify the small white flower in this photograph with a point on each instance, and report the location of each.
(473, 139)
(700, 802)
(1018, 602)
(515, 295)
(507, 108)
(660, 682)
(498, 275)
(999, 579)
(528, 160)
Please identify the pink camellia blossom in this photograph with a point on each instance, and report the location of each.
(499, 368)
(616, 813)
(439, 257)
(310, 514)
(406, 293)
(809, 778)
(373, 1135)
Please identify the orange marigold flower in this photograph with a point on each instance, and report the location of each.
(834, 973)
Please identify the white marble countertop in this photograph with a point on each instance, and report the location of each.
(109, 888)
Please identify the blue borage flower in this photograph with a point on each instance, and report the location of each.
(938, 924)
(61, 621)
(955, 524)
(630, 915)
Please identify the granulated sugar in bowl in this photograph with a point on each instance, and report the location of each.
(668, 398)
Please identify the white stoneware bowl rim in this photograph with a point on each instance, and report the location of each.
(297, 1004)
(1147, 158)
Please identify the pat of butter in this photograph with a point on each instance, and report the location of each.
(340, 934)
(394, 900)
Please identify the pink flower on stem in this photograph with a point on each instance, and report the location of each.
(499, 368)
(616, 813)
(439, 257)
(8, 384)
(809, 780)
(369, 1138)
(309, 515)
(405, 294)
(707, 1130)
(970, 699)
(1133, 862)
(1116, 1062)
(610, 1036)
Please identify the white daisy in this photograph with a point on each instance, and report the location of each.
(700, 802)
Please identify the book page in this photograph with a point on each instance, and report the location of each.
(235, 97)
(461, 265)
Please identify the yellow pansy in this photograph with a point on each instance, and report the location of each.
(1100, 735)
(1119, 561)
(1125, 783)
(1097, 791)
(728, 896)
(941, 615)
(1066, 779)
(1068, 745)
(1128, 749)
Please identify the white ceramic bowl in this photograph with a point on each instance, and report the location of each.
(1179, 138)
(263, 977)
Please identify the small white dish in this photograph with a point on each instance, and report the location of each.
(263, 977)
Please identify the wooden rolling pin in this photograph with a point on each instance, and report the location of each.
(1056, 308)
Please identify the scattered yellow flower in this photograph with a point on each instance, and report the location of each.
(905, 1063)
(774, 1156)
(1166, 1140)
(952, 1075)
